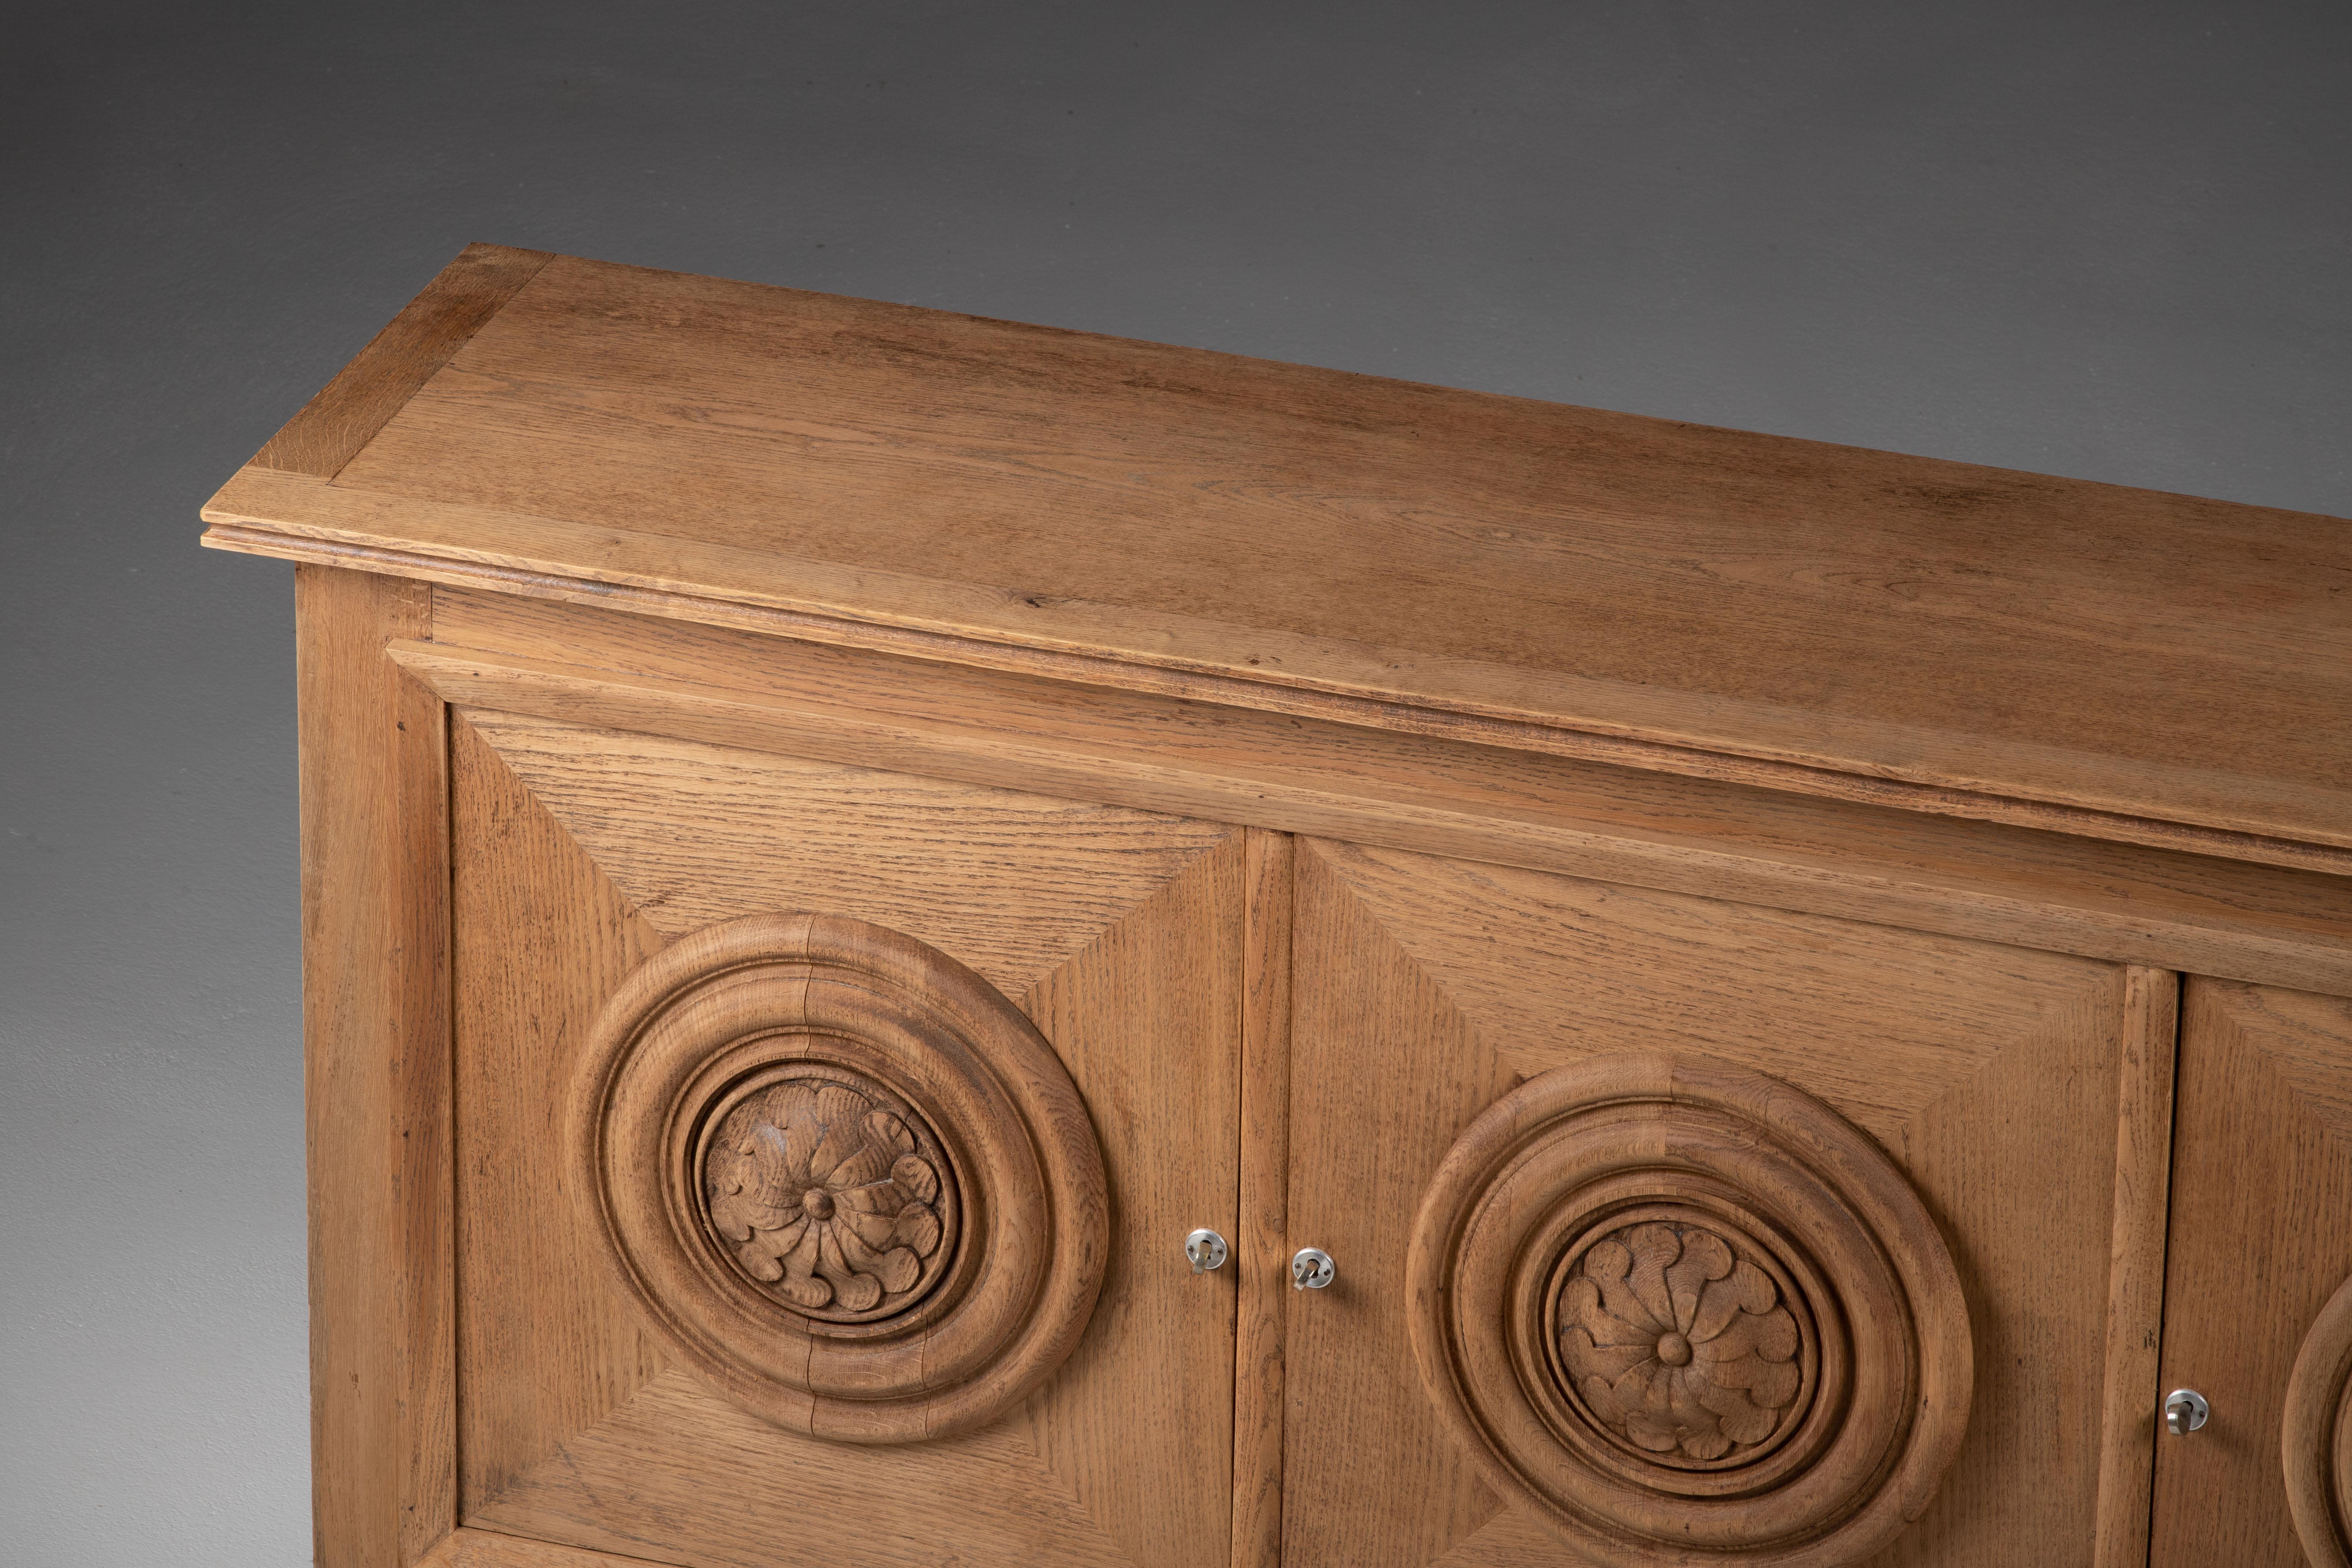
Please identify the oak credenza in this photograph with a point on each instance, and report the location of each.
(929, 940)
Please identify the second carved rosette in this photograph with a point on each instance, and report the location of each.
(2315, 1436)
(842, 1177)
(1685, 1311)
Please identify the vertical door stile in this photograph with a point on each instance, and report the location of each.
(1259, 1391)
(2151, 1047)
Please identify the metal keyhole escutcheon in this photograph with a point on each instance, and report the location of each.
(1206, 1250)
(1311, 1268)
(2185, 1410)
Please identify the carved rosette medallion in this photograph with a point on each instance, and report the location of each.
(829, 1193)
(1682, 1342)
(841, 1177)
(1676, 1308)
(2315, 1436)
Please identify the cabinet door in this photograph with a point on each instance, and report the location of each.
(583, 862)
(1988, 1081)
(2261, 1245)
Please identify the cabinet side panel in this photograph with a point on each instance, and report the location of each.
(2261, 1186)
(376, 1073)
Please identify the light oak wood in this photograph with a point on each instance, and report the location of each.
(1801, 988)
(357, 541)
(295, 544)
(959, 867)
(844, 1178)
(2127, 1425)
(1685, 1313)
(349, 410)
(1426, 990)
(1705, 594)
(541, 938)
(376, 1091)
(1262, 1248)
(2165, 909)
(2315, 1434)
(488, 1549)
(1143, 1009)
(1139, 1425)
(2262, 1179)
(1385, 1073)
(680, 1475)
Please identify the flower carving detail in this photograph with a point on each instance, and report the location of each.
(1676, 1344)
(829, 1200)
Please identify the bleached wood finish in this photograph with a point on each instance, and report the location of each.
(844, 1178)
(2150, 1049)
(1427, 989)
(350, 410)
(488, 1549)
(1729, 1331)
(1139, 995)
(1366, 811)
(1964, 878)
(376, 1091)
(2261, 1182)
(1262, 1248)
(541, 937)
(1138, 1425)
(1689, 594)
(954, 865)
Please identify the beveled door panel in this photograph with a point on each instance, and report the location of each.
(587, 862)
(1988, 1079)
(1668, 1304)
(2260, 1244)
(843, 1179)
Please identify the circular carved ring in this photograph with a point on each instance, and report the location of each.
(1685, 1312)
(842, 1177)
(2315, 1436)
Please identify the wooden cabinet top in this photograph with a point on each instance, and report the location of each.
(1822, 618)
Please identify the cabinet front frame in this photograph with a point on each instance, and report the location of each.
(381, 660)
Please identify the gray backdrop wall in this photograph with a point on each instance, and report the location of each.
(2105, 240)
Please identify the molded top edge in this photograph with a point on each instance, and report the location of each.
(1817, 617)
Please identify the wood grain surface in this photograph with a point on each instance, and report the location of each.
(297, 543)
(1313, 760)
(2315, 1434)
(1426, 990)
(349, 410)
(2167, 910)
(376, 1074)
(928, 857)
(1290, 531)
(1125, 1455)
(846, 1181)
(488, 1549)
(1685, 1313)
(1260, 1242)
(541, 937)
(1139, 1425)
(2261, 1182)
(2127, 1424)
(680, 1475)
